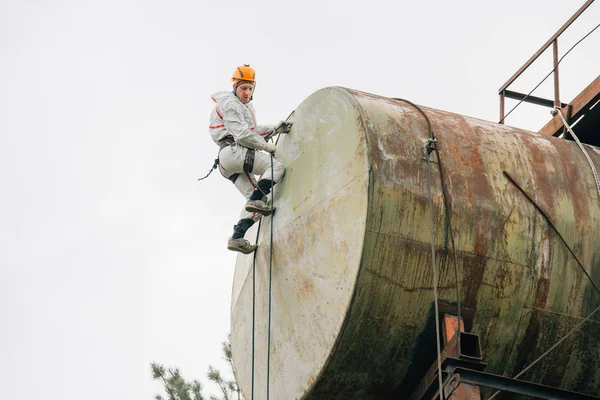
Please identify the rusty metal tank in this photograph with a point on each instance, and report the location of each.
(352, 281)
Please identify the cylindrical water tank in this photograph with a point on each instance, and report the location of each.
(351, 275)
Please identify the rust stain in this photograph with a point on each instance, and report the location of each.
(513, 273)
(306, 286)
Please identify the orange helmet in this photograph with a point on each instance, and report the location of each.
(243, 73)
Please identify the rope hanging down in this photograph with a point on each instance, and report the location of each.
(215, 165)
(254, 304)
(447, 209)
(576, 327)
(585, 153)
(432, 146)
(254, 293)
(547, 218)
(270, 280)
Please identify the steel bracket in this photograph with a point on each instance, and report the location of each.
(430, 146)
(451, 385)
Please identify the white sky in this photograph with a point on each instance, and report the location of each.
(111, 254)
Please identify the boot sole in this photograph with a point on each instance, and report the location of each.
(239, 250)
(261, 211)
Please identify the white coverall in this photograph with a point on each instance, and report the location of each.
(231, 117)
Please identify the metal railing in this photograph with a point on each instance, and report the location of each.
(505, 93)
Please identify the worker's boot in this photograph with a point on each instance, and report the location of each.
(259, 206)
(237, 241)
(256, 202)
(241, 245)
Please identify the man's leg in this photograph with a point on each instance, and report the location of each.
(262, 167)
(245, 183)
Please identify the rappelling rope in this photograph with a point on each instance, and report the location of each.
(580, 265)
(254, 274)
(432, 146)
(270, 291)
(254, 292)
(435, 293)
(254, 304)
(448, 212)
(270, 280)
(271, 270)
(585, 153)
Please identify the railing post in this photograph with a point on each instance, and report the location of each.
(556, 83)
(501, 121)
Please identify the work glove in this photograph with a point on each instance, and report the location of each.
(270, 147)
(283, 127)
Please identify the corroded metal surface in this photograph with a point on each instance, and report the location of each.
(352, 276)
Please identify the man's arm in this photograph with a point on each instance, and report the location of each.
(237, 126)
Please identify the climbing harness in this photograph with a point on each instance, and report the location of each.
(215, 165)
(248, 159)
(248, 166)
(226, 141)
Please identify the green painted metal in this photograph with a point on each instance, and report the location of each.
(352, 276)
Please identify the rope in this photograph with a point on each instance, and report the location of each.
(585, 153)
(254, 294)
(549, 73)
(270, 284)
(447, 208)
(270, 280)
(550, 349)
(547, 218)
(435, 294)
(254, 304)
(580, 265)
(215, 165)
(271, 269)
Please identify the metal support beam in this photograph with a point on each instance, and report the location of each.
(531, 99)
(462, 373)
(502, 96)
(517, 386)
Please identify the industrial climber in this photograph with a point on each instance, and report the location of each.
(243, 153)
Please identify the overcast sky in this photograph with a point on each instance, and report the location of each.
(112, 255)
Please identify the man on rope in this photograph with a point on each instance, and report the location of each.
(234, 129)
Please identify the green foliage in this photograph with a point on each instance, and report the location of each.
(229, 388)
(178, 388)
